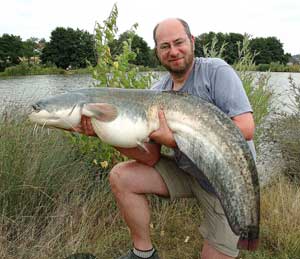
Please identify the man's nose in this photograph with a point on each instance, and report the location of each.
(173, 50)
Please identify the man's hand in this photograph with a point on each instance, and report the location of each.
(163, 135)
(85, 126)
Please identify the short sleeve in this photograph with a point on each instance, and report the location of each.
(229, 93)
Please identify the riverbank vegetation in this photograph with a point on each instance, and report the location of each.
(55, 198)
(25, 69)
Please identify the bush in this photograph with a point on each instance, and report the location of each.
(33, 69)
(285, 132)
(263, 67)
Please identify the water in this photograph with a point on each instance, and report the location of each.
(279, 83)
(22, 91)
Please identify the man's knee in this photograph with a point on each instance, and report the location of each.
(120, 176)
(116, 175)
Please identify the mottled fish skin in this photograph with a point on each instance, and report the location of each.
(203, 132)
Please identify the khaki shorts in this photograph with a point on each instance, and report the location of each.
(215, 228)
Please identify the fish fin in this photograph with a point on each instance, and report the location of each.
(101, 111)
(185, 144)
(245, 244)
(142, 147)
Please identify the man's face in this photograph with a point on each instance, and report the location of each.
(174, 49)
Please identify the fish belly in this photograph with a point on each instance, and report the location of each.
(122, 132)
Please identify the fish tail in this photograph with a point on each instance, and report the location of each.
(251, 245)
(249, 239)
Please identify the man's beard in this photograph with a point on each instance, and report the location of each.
(183, 69)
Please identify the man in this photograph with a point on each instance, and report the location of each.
(151, 173)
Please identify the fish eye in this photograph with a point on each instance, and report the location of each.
(36, 107)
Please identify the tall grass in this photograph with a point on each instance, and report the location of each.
(52, 205)
(280, 229)
(39, 175)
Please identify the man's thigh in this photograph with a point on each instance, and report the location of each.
(176, 180)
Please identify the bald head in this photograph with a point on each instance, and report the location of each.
(172, 22)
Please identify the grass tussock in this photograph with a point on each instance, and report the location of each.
(284, 131)
(281, 222)
(280, 229)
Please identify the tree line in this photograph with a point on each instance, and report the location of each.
(69, 48)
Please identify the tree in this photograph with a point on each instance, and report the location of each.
(138, 46)
(231, 54)
(218, 44)
(153, 62)
(268, 50)
(202, 41)
(68, 47)
(10, 50)
(30, 49)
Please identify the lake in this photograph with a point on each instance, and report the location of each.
(23, 90)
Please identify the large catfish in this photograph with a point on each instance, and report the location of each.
(125, 118)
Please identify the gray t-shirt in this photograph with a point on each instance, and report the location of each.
(216, 82)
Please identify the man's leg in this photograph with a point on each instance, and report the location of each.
(220, 242)
(130, 181)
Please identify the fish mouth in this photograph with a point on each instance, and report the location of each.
(37, 117)
(68, 118)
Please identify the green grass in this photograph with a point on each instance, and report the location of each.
(24, 69)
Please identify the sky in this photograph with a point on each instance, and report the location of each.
(258, 18)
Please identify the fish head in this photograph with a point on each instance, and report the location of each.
(61, 111)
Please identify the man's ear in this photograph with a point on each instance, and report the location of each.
(156, 55)
(155, 51)
(193, 42)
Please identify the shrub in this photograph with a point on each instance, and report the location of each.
(111, 71)
(285, 132)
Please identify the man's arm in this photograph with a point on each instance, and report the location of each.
(245, 123)
(149, 157)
